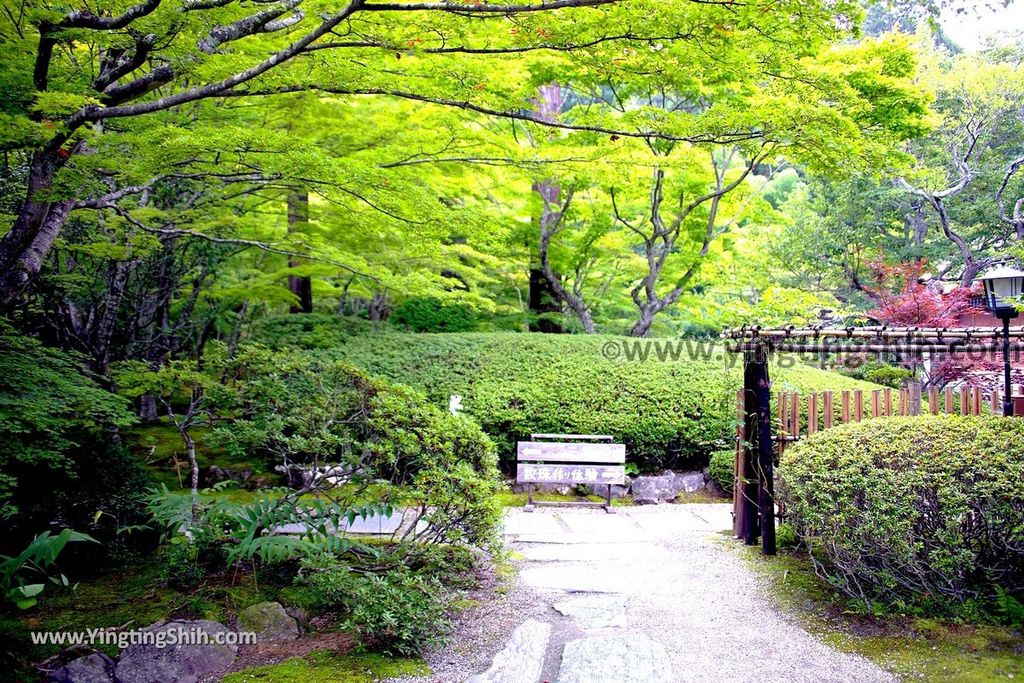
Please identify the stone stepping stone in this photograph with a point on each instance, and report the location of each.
(522, 658)
(595, 611)
(627, 658)
(592, 552)
(572, 577)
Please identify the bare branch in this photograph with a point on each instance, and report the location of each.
(520, 115)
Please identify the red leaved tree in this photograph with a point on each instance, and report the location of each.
(906, 299)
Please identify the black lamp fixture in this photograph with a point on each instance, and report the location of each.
(1003, 288)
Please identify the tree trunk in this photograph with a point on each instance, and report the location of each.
(24, 248)
(379, 308)
(148, 409)
(299, 285)
(642, 327)
(544, 304)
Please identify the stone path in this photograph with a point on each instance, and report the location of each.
(650, 594)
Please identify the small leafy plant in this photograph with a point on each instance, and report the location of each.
(37, 560)
(397, 612)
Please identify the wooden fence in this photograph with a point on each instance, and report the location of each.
(800, 415)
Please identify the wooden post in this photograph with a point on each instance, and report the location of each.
(739, 470)
(783, 423)
(933, 401)
(965, 401)
(765, 452)
(812, 413)
(750, 501)
(904, 401)
(997, 404)
(876, 403)
(859, 404)
(949, 400)
(888, 402)
(915, 398)
(846, 406)
(976, 401)
(827, 396)
(794, 415)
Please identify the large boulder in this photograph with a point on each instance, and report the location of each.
(617, 491)
(659, 488)
(689, 482)
(269, 621)
(92, 668)
(664, 487)
(178, 652)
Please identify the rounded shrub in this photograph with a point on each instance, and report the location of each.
(430, 314)
(914, 513)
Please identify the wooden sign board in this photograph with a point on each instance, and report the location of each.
(571, 474)
(542, 451)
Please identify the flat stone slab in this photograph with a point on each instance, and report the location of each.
(595, 611)
(538, 522)
(522, 658)
(635, 553)
(373, 525)
(579, 577)
(627, 658)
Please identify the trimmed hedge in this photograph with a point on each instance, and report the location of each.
(721, 468)
(669, 413)
(915, 512)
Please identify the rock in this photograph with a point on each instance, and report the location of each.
(561, 489)
(713, 488)
(629, 658)
(269, 621)
(93, 668)
(522, 658)
(655, 489)
(302, 476)
(595, 611)
(300, 616)
(215, 474)
(617, 491)
(179, 660)
(689, 482)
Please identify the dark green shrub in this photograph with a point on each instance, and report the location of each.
(893, 376)
(53, 414)
(310, 330)
(429, 314)
(720, 469)
(914, 513)
(393, 446)
(452, 565)
(397, 613)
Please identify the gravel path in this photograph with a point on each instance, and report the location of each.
(680, 587)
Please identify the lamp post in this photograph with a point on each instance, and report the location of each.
(1002, 285)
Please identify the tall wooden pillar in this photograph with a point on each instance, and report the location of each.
(759, 491)
(749, 495)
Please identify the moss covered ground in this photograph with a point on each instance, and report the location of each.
(328, 667)
(913, 648)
